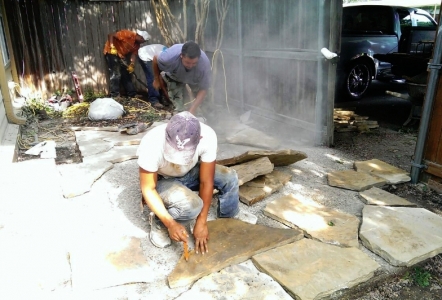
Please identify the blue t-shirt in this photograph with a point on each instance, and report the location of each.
(169, 61)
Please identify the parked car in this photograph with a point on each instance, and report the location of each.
(374, 29)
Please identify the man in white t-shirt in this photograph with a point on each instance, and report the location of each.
(176, 159)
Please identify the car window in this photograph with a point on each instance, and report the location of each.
(422, 20)
(367, 19)
(404, 18)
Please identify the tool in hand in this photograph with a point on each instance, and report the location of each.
(186, 252)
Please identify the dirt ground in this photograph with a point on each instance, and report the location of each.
(393, 146)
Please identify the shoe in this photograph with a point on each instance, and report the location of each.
(157, 105)
(202, 120)
(246, 217)
(158, 235)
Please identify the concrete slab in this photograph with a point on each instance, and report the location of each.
(309, 269)
(403, 236)
(381, 169)
(376, 196)
(356, 181)
(109, 262)
(83, 176)
(241, 281)
(231, 242)
(319, 222)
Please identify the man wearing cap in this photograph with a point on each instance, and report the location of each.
(183, 64)
(121, 51)
(176, 159)
(146, 54)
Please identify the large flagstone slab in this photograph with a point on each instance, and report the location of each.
(231, 242)
(252, 137)
(381, 169)
(109, 262)
(252, 169)
(309, 269)
(283, 157)
(114, 155)
(317, 221)
(376, 196)
(356, 181)
(262, 186)
(239, 282)
(78, 179)
(403, 236)
(96, 146)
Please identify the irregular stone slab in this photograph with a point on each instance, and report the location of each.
(403, 236)
(251, 137)
(375, 196)
(95, 146)
(319, 222)
(231, 242)
(262, 186)
(78, 179)
(381, 169)
(109, 262)
(114, 155)
(252, 169)
(278, 158)
(309, 269)
(241, 281)
(356, 181)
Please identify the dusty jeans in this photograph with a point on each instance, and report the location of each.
(185, 205)
(119, 74)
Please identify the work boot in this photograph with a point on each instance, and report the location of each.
(158, 235)
(246, 217)
(157, 105)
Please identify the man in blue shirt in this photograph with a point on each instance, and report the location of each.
(183, 64)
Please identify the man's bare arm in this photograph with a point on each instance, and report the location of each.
(198, 100)
(201, 232)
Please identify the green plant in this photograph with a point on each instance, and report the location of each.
(90, 95)
(419, 276)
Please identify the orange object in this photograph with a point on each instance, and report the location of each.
(186, 252)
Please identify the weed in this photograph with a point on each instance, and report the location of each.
(90, 95)
(419, 276)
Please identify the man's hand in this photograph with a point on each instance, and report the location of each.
(201, 234)
(177, 232)
(131, 68)
(113, 50)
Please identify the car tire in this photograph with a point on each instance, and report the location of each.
(357, 80)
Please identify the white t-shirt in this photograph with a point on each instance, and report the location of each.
(151, 149)
(146, 53)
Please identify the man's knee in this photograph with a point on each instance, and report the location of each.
(226, 175)
(182, 203)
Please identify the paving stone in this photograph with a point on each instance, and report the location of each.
(231, 242)
(403, 236)
(241, 281)
(252, 169)
(375, 196)
(251, 137)
(309, 269)
(381, 169)
(262, 186)
(283, 157)
(106, 262)
(356, 181)
(114, 155)
(96, 146)
(317, 221)
(83, 175)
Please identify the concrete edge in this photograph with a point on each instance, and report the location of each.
(8, 145)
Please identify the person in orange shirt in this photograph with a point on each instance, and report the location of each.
(122, 47)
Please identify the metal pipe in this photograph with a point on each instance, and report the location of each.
(416, 164)
(241, 55)
(320, 99)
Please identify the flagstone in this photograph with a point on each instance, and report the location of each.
(356, 181)
(114, 155)
(403, 236)
(309, 269)
(381, 169)
(262, 186)
(283, 157)
(242, 281)
(376, 196)
(252, 137)
(252, 169)
(317, 221)
(231, 242)
(77, 179)
(106, 262)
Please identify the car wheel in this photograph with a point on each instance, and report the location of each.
(358, 80)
